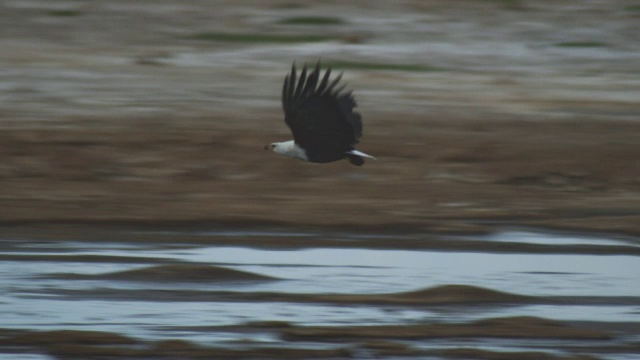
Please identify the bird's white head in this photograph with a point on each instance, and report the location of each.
(287, 148)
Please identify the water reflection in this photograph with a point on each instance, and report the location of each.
(33, 300)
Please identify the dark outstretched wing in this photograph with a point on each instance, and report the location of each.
(320, 117)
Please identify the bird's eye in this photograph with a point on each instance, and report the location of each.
(273, 146)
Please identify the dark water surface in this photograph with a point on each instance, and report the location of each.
(54, 285)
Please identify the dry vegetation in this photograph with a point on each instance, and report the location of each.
(559, 174)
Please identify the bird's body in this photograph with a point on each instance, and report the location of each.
(325, 128)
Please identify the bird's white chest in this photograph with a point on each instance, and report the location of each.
(291, 149)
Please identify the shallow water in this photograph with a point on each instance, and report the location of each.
(598, 288)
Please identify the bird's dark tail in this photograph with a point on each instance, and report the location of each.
(355, 159)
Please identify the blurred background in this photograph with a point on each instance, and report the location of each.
(484, 115)
(160, 109)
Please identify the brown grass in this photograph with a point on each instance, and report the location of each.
(546, 173)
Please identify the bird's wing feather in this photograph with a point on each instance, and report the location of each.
(318, 114)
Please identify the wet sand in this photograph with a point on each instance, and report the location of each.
(126, 123)
(376, 341)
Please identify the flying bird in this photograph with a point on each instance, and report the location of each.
(321, 118)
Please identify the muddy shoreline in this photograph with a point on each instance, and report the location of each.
(280, 237)
(460, 179)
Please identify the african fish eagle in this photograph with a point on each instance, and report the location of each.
(321, 118)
